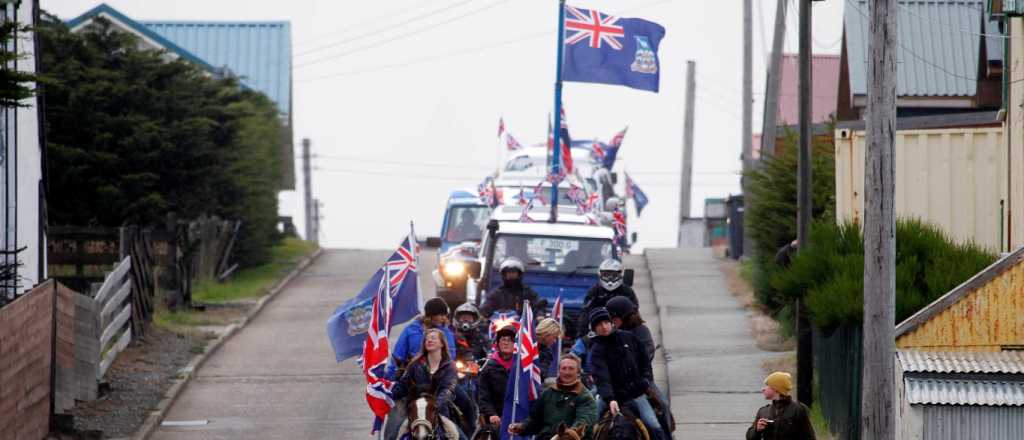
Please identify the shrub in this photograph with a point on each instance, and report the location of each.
(831, 271)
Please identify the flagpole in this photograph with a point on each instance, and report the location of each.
(557, 130)
(518, 366)
(414, 245)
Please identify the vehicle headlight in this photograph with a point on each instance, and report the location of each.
(454, 269)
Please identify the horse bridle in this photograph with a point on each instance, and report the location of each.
(425, 424)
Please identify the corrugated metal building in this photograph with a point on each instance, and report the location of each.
(960, 364)
(258, 53)
(960, 395)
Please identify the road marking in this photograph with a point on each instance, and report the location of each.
(185, 423)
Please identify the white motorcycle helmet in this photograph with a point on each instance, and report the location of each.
(610, 274)
(512, 263)
(463, 309)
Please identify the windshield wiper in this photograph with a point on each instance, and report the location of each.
(577, 269)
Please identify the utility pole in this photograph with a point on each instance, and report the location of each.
(307, 179)
(686, 179)
(877, 407)
(748, 116)
(316, 221)
(805, 348)
(770, 124)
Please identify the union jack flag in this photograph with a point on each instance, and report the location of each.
(511, 143)
(619, 223)
(593, 26)
(617, 140)
(500, 320)
(375, 351)
(597, 151)
(529, 351)
(501, 126)
(556, 349)
(401, 264)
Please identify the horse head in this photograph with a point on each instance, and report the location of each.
(621, 426)
(567, 433)
(422, 418)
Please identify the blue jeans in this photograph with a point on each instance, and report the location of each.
(642, 408)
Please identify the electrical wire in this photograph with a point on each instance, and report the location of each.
(401, 36)
(460, 52)
(400, 163)
(466, 180)
(379, 30)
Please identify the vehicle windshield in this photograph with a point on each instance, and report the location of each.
(466, 223)
(553, 254)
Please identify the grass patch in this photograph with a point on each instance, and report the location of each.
(179, 319)
(746, 271)
(821, 429)
(255, 281)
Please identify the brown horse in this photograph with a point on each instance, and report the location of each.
(423, 421)
(622, 426)
(567, 433)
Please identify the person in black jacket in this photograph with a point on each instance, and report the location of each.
(493, 379)
(609, 285)
(512, 292)
(621, 370)
(432, 372)
(627, 318)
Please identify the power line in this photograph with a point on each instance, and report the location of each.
(366, 22)
(466, 180)
(395, 162)
(466, 51)
(402, 36)
(379, 30)
(907, 10)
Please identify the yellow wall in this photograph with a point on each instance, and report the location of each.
(954, 178)
(983, 320)
(1015, 130)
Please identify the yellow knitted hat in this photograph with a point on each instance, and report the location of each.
(780, 382)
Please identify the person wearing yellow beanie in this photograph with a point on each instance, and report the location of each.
(784, 418)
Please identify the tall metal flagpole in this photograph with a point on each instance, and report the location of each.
(414, 245)
(518, 367)
(556, 145)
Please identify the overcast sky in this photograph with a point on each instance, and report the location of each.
(403, 112)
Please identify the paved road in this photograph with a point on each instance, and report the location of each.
(714, 367)
(276, 379)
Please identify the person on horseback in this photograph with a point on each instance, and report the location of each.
(621, 369)
(609, 285)
(494, 377)
(548, 332)
(512, 292)
(626, 317)
(470, 342)
(431, 373)
(566, 403)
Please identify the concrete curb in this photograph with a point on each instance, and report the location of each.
(157, 416)
(662, 319)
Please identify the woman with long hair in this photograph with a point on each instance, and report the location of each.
(431, 372)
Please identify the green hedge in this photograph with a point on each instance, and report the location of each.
(831, 271)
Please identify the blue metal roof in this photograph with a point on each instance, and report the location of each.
(258, 52)
(938, 46)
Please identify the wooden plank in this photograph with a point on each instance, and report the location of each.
(116, 325)
(118, 299)
(113, 280)
(111, 355)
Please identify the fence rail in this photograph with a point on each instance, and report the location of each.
(113, 302)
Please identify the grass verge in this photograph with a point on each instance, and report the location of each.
(255, 281)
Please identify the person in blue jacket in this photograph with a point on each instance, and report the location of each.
(435, 315)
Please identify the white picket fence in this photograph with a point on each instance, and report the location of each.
(113, 301)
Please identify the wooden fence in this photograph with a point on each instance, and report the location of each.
(115, 306)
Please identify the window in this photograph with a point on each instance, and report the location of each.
(466, 223)
(553, 254)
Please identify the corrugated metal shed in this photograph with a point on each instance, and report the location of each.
(964, 392)
(259, 53)
(938, 46)
(1003, 362)
(972, 422)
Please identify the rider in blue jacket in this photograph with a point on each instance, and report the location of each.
(435, 315)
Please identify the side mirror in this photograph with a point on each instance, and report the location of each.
(615, 178)
(433, 242)
(627, 277)
(473, 267)
(492, 225)
(633, 236)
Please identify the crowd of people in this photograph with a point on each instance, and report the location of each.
(607, 371)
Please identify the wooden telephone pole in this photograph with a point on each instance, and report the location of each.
(877, 406)
(805, 347)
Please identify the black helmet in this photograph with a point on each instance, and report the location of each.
(507, 330)
(619, 307)
(435, 306)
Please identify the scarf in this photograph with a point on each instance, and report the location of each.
(496, 356)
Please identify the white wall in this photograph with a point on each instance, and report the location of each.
(30, 171)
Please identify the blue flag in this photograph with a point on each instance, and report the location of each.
(524, 378)
(634, 192)
(612, 149)
(347, 326)
(600, 48)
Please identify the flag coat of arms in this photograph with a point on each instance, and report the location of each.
(348, 325)
(600, 48)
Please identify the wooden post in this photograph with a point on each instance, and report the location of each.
(748, 116)
(877, 404)
(686, 179)
(805, 347)
(770, 121)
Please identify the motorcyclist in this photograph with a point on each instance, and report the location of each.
(621, 370)
(470, 343)
(493, 378)
(609, 285)
(512, 293)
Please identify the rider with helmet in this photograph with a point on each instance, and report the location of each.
(512, 292)
(494, 376)
(609, 285)
(470, 342)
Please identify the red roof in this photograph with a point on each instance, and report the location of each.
(824, 88)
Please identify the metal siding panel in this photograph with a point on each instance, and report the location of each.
(944, 422)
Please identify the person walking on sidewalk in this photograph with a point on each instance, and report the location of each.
(784, 418)
(609, 285)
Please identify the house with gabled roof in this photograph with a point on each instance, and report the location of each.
(258, 53)
(960, 360)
